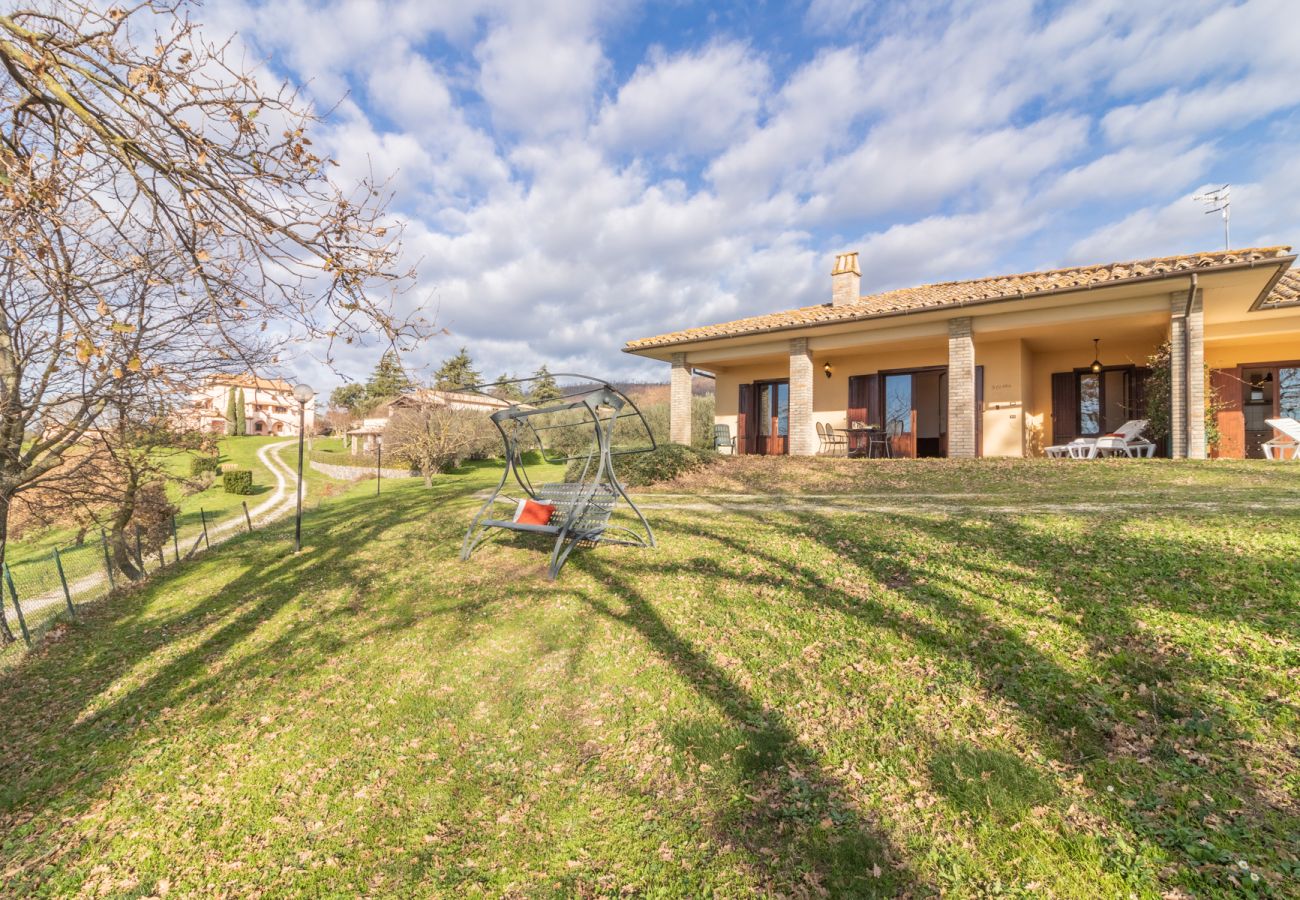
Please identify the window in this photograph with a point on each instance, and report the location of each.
(1089, 404)
(1288, 393)
(898, 403)
(1105, 400)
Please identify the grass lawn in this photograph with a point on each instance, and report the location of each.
(35, 548)
(1086, 698)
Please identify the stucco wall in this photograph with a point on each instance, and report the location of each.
(1113, 353)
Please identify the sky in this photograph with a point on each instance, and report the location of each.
(576, 174)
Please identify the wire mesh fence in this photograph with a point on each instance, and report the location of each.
(38, 591)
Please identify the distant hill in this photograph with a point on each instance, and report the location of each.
(648, 392)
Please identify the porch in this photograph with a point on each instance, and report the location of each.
(1006, 366)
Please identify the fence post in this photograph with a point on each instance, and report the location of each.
(176, 543)
(13, 593)
(139, 556)
(63, 580)
(247, 517)
(108, 561)
(203, 517)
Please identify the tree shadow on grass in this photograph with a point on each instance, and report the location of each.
(67, 731)
(1153, 709)
(796, 817)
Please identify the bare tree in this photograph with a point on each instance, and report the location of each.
(436, 438)
(158, 209)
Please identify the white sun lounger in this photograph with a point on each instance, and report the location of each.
(1127, 439)
(1278, 448)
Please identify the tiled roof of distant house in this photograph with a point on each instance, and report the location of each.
(250, 381)
(959, 293)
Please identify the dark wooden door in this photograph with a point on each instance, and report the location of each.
(1065, 407)
(979, 415)
(745, 420)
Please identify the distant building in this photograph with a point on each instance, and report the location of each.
(365, 436)
(269, 406)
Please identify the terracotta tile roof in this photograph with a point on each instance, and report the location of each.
(959, 293)
(249, 381)
(1285, 293)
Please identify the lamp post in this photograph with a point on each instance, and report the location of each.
(379, 461)
(303, 394)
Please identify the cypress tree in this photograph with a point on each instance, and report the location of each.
(241, 418)
(231, 414)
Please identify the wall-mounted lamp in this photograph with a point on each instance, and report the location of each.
(827, 369)
(1096, 356)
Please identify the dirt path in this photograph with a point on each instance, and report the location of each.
(282, 501)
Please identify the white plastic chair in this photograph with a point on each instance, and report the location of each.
(1277, 448)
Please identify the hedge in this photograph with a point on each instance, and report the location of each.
(201, 464)
(662, 464)
(239, 481)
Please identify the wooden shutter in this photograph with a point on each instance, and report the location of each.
(979, 411)
(1065, 407)
(871, 386)
(857, 411)
(743, 414)
(1225, 386)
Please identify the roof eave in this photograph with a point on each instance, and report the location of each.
(1282, 263)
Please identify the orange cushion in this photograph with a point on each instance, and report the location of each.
(530, 512)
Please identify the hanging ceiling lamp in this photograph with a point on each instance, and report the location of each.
(1096, 356)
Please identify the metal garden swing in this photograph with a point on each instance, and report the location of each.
(593, 422)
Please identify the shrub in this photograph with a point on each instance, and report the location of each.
(663, 464)
(201, 464)
(239, 481)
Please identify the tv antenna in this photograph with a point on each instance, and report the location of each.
(1219, 201)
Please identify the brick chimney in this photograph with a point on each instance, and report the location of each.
(846, 279)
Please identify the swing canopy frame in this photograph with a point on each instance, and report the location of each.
(591, 421)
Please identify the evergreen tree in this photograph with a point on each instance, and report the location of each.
(231, 414)
(351, 397)
(544, 387)
(388, 380)
(511, 392)
(241, 417)
(456, 371)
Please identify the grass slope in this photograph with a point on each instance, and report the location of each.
(973, 702)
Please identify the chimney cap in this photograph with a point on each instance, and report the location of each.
(846, 263)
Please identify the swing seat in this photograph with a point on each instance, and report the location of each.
(583, 508)
(585, 521)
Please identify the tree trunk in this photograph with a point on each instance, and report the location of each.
(6, 636)
(118, 539)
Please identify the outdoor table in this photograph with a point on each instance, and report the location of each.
(868, 442)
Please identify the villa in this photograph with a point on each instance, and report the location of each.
(1006, 366)
(366, 436)
(269, 405)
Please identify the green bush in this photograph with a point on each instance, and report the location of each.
(201, 464)
(239, 481)
(663, 464)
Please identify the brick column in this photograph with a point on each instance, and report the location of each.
(961, 389)
(679, 408)
(1187, 376)
(803, 438)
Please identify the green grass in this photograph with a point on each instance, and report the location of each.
(35, 547)
(1079, 702)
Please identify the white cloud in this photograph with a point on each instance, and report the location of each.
(539, 80)
(692, 103)
(572, 182)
